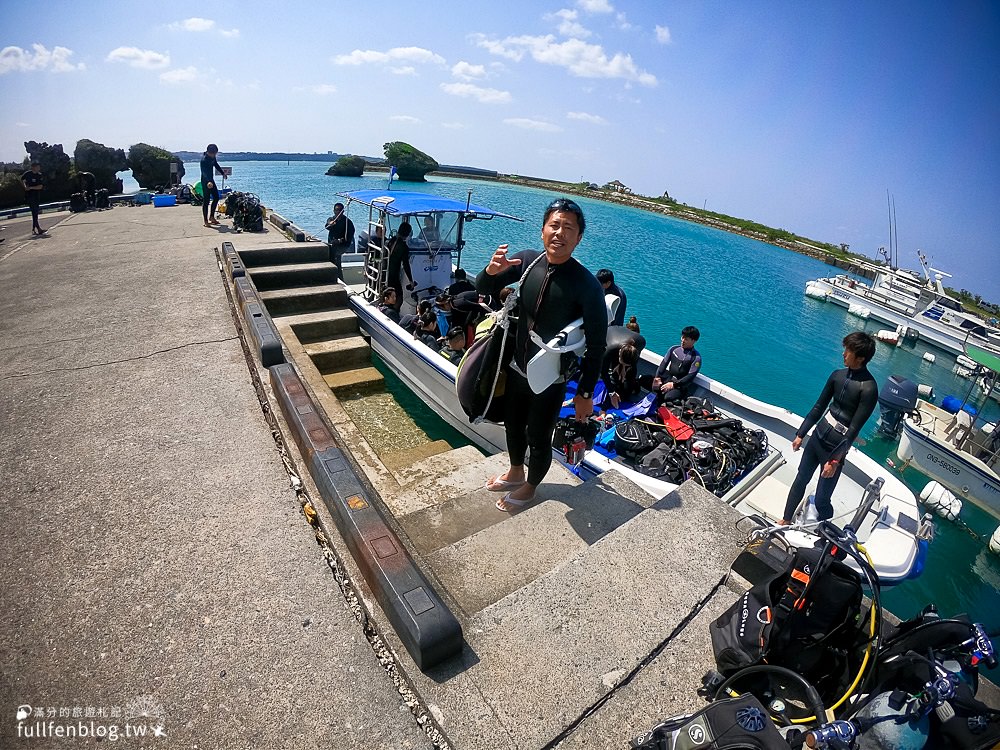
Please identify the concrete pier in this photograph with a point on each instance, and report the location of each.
(166, 561)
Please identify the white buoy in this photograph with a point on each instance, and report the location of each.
(860, 310)
(928, 357)
(966, 362)
(925, 391)
(889, 337)
(942, 502)
(995, 542)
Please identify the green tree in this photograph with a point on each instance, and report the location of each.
(55, 168)
(11, 189)
(411, 164)
(347, 166)
(103, 162)
(150, 165)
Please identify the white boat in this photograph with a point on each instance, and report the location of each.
(910, 303)
(893, 532)
(958, 450)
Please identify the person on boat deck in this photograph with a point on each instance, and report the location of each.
(340, 237)
(622, 380)
(388, 305)
(429, 231)
(556, 289)
(454, 345)
(427, 331)
(410, 322)
(851, 395)
(677, 369)
(210, 191)
(607, 278)
(399, 261)
(633, 324)
(461, 283)
(445, 312)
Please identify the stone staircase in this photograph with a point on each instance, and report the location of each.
(558, 602)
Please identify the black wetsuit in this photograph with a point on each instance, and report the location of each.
(679, 366)
(33, 197)
(851, 396)
(551, 297)
(209, 164)
(340, 239)
(399, 259)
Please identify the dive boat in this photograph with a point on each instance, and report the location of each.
(903, 299)
(892, 531)
(959, 450)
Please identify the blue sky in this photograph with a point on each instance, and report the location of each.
(797, 115)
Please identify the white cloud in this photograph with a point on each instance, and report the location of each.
(663, 34)
(322, 89)
(192, 24)
(409, 120)
(568, 25)
(483, 95)
(453, 125)
(622, 23)
(396, 54)
(38, 58)
(467, 71)
(180, 75)
(139, 58)
(526, 124)
(230, 33)
(23, 124)
(586, 117)
(580, 58)
(595, 6)
(405, 70)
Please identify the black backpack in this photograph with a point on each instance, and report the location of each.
(817, 633)
(633, 439)
(102, 200)
(77, 203)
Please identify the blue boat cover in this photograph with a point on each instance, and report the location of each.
(407, 203)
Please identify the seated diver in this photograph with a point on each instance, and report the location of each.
(454, 345)
(388, 305)
(677, 369)
(427, 331)
(622, 380)
(411, 321)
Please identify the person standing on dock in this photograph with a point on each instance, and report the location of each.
(555, 291)
(34, 183)
(607, 278)
(209, 189)
(340, 237)
(851, 395)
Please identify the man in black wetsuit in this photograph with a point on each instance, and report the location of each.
(607, 278)
(677, 369)
(33, 186)
(340, 237)
(555, 290)
(209, 188)
(851, 394)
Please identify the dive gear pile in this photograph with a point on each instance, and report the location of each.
(246, 212)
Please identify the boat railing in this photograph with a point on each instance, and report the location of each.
(376, 271)
(982, 443)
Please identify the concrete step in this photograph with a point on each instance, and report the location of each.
(308, 252)
(345, 352)
(572, 635)
(535, 540)
(306, 299)
(397, 459)
(293, 275)
(322, 324)
(356, 382)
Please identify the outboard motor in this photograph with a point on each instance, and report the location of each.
(897, 398)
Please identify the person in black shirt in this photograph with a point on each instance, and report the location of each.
(607, 278)
(209, 190)
(341, 236)
(33, 186)
(555, 291)
(851, 395)
(399, 261)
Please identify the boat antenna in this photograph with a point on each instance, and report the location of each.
(468, 200)
(895, 230)
(392, 173)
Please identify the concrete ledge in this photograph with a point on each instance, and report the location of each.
(427, 628)
(285, 254)
(296, 233)
(289, 275)
(267, 340)
(233, 263)
(278, 220)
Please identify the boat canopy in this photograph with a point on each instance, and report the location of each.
(989, 358)
(407, 203)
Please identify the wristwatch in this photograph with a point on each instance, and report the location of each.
(585, 394)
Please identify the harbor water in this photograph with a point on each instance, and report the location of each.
(759, 333)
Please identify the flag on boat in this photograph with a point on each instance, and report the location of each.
(392, 176)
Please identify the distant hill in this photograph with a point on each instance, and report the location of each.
(329, 157)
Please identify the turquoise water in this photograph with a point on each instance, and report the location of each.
(760, 333)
